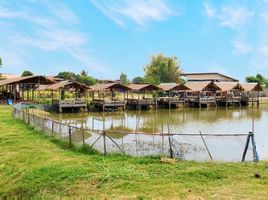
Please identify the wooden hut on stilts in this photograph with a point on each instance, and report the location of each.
(251, 93)
(202, 93)
(173, 95)
(109, 96)
(69, 95)
(142, 96)
(230, 93)
(22, 89)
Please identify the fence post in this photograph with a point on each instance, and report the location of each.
(28, 113)
(169, 142)
(104, 142)
(255, 154)
(52, 128)
(246, 147)
(70, 137)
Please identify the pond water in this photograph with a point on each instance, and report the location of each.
(180, 121)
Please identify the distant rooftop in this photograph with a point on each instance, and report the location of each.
(10, 76)
(210, 76)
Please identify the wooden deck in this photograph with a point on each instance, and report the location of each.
(145, 103)
(108, 105)
(171, 102)
(201, 101)
(228, 100)
(72, 103)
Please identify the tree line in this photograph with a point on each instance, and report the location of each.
(160, 69)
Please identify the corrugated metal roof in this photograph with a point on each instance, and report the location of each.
(252, 87)
(211, 76)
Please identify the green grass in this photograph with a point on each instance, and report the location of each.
(33, 165)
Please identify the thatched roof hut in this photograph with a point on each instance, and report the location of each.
(67, 85)
(143, 87)
(248, 87)
(102, 87)
(202, 86)
(173, 87)
(229, 86)
(26, 80)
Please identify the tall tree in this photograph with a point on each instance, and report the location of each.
(83, 77)
(138, 80)
(1, 62)
(257, 79)
(123, 78)
(163, 69)
(26, 73)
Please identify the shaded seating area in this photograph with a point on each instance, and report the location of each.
(109, 96)
(142, 96)
(229, 93)
(22, 89)
(69, 95)
(202, 93)
(251, 93)
(172, 95)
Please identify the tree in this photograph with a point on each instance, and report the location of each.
(67, 76)
(163, 70)
(1, 62)
(83, 77)
(123, 78)
(26, 73)
(257, 79)
(138, 80)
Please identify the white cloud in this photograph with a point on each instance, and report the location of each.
(235, 17)
(56, 28)
(241, 48)
(209, 11)
(139, 11)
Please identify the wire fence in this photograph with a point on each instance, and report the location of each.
(197, 146)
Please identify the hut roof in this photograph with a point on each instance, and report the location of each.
(229, 86)
(66, 84)
(143, 87)
(170, 87)
(109, 86)
(27, 79)
(252, 87)
(211, 76)
(201, 86)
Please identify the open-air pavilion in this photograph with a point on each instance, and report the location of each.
(141, 96)
(202, 93)
(109, 96)
(68, 95)
(172, 95)
(251, 93)
(229, 93)
(22, 88)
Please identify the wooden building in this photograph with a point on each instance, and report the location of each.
(22, 88)
(141, 96)
(109, 96)
(251, 93)
(202, 93)
(214, 76)
(173, 95)
(229, 93)
(69, 95)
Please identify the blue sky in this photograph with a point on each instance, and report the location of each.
(107, 37)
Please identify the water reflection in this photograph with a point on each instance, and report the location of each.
(186, 121)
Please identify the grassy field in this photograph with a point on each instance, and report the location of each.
(33, 165)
